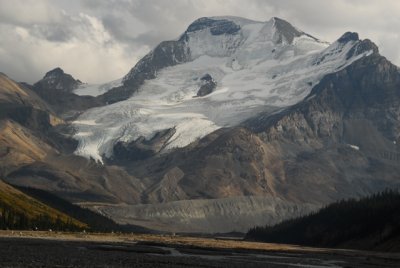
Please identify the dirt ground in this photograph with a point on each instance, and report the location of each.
(51, 249)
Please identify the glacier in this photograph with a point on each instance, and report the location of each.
(257, 68)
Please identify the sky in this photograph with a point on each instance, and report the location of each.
(101, 40)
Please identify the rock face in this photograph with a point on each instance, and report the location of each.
(141, 148)
(56, 79)
(168, 53)
(216, 26)
(285, 31)
(207, 85)
(348, 36)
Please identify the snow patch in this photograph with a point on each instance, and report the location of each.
(85, 122)
(355, 147)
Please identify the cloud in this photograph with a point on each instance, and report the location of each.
(100, 40)
(80, 45)
(27, 12)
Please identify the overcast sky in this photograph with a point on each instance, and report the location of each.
(100, 40)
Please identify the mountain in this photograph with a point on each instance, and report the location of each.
(370, 223)
(57, 89)
(235, 123)
(56, 79)
(254, 67)
(338, 141)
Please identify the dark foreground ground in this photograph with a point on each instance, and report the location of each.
(86, 251)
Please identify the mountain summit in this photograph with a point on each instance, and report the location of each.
(57, 79)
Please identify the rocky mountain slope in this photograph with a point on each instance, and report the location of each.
(26, 123)
(36, 151)
(236, 122)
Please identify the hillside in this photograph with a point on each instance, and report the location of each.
(371, 223)
(20, 211)
(36, 143)
(95, 221)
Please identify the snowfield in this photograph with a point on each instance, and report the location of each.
(253, 73)
(95, 90)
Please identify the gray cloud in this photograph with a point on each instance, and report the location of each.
(53, 32)
(100, 40)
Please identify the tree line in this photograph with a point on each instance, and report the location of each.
(12, 219)
(356, 223)
(95, 221)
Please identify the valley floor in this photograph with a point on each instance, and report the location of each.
(53, 249)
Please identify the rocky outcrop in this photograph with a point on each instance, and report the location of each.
(141, 148)
(348, 37)
(167, 53)
(216, 26)
(207, 85)
(57, 80)
(286, 32)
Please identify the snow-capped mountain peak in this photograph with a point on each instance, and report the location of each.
(254, 67)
